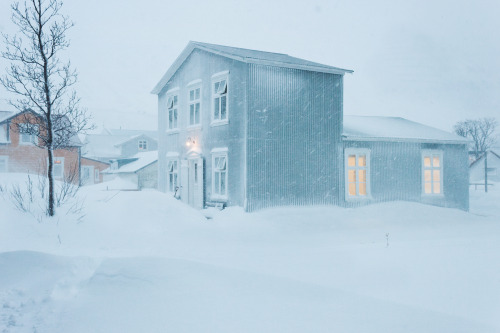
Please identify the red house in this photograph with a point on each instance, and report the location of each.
(19, 151)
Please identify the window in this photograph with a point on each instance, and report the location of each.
(194, 106)
(96, 175)
(28, 133)
(219, 96)
(219, 174)
(58, 167)
(357, 165)
(432, 166)
(4, 160)
(173, 175)
(172, 106)
(143, 145)
(4, 132)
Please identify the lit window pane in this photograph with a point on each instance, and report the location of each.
(427, 161)
(352, 189)
(362, 176)
(427, 176)
(351, 160)
(436, 175)
(351, 176)
(362, 188)
(362, 160)
(428, 188)
(435, 161)
(437, 187)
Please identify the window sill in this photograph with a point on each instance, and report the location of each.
(193, 127)
(218, 198)
(173, 131)
(219, 123)
(358, 198)
(5, 142)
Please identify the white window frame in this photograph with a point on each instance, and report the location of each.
(357, 152)
(142, 145)
(54, 159)
(173, 108)
(5, 160)
(216, 188)
(219, 77)
(432, 153)
(32, 138)
(4, 132)
(172, 163)
(193, 86)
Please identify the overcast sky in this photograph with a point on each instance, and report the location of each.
(434, 62)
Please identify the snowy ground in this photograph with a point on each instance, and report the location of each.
(144, 262)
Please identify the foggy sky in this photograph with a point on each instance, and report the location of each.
(434, 62)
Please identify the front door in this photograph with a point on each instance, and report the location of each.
(195, 182)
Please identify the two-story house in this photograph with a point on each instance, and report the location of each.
(259, 129)
(19, 151)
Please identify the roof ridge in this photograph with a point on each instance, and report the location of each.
(238, 48)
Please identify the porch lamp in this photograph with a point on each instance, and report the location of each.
(190, 141)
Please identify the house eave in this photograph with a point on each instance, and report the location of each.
(390, 139)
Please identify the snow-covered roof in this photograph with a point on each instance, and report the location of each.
(6, 114)
(143, 160)
(100, 146)
(130, 132)
(247, 56)
(135, 137)
(373, 128)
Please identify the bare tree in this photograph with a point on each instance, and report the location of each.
(481, 131)
(42, 81)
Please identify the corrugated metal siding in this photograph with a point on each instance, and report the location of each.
(293, 146)
(202, 65)
(396, 173)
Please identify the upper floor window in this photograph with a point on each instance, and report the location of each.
(172, 106)
(194, 106)
(28, 133)
(219, 96)
(4, 132)
(357, 163)
(432, 166)
(143, 145)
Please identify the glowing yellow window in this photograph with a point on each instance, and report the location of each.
(357, 171)
(432, 172)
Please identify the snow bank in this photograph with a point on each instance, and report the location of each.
(143, 261)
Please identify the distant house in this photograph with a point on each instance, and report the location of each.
(258, 129)
(19, 153)
(92, 170)
(140, 173)
(477, 168)
(116, 148)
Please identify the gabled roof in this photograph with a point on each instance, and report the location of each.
(247, 56)
(371, 128)
(142, 160)
(135, 137)
(6, 115)
(129, 132)
(490, 153)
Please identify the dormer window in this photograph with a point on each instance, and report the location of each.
(143, 145)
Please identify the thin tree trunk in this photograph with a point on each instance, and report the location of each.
(51, 182)
(486, 172)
